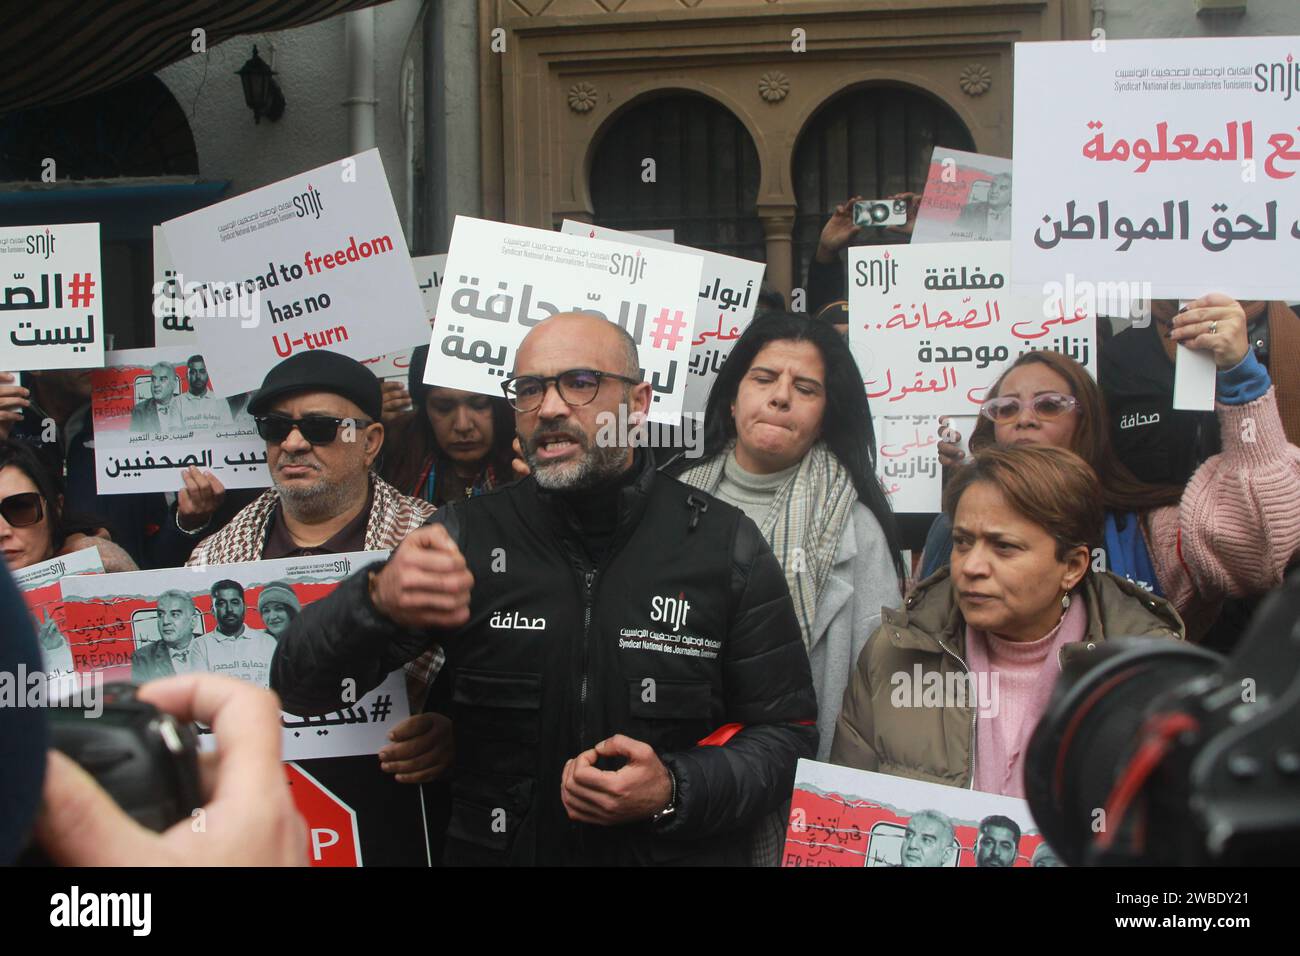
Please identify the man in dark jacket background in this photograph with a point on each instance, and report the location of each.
(626, 679)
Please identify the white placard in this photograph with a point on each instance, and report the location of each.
(314, 261)
(392, 366)
(1168, 162)
(155, 416)
(729, 290)
(110, 618)
(856, 818)
(502, 280)
(967, 197)
(81, 561)
(51, 302)
(171, 326)
(932, 326)
(907, 462)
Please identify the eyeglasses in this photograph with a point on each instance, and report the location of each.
(22, 510)
(577, 386)
(1047, 406)
(315, 429)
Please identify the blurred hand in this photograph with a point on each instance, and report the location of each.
(397, 400)
(422, 749)
(13, 400)
(518, 463)
(838, 231)
(913, 206)
(199, 500)
(425, 584)
(950, 450)
(249, 819)
(1228, 343)
(636, 791)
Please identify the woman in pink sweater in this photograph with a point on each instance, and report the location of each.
(1235, 527)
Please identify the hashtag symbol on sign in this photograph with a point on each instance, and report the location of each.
(674, 325)
(79, 290)
(381, 708)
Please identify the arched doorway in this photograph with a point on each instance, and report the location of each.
(128, 131)
(706, 175)
(125, 158)
(871, 141)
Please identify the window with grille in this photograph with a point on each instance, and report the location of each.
(705, 175)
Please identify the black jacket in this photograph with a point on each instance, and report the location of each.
(558, 655)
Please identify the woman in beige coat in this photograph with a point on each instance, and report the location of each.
(949, 688)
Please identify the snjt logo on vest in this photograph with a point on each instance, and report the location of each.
(671, 612)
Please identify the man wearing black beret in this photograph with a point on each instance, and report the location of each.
(320, 415)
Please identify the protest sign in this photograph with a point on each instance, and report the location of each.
(171, 326)
(52, 314)
(844, 817)
(358, 815)
(141, 624)
(932, 326)
(156, 413)
(1170, 163)
(314, 261)
(907, 461)
(41, 585)
(907, 458)
(393, 366)
(728, 296)
(967, 197)
(502, 280)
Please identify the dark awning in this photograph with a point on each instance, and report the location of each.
(58, 50)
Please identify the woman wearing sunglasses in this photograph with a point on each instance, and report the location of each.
(1234, 528)
(455, 444)
(33, 527)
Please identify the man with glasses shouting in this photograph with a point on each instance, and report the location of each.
(626, 678)
(319, 413)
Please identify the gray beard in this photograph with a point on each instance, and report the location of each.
(317, 503)
(597, 466)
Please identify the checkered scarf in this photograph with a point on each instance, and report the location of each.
(393, 516)
(804, 524)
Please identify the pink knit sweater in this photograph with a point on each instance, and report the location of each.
(1238, 523)
(1023, 674)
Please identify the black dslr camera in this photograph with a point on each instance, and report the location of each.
(1165, 753)
(147, 760)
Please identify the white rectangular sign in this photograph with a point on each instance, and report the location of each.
(116, 623)
(392, 366)
(855, 818)
(907, 462)
(932, 326)
(502, 280)
(1169, 162)
(52, 310)
(171, 326)
(729, 290)
(314, 261)
(967, 196)
(157, 412)
(81, 561)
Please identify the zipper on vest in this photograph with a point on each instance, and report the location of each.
(974, 712)
(588, 578)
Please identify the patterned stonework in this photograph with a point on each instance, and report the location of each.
(773, 86)
(975, 79)
(582, 97)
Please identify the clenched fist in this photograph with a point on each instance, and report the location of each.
(425, 584)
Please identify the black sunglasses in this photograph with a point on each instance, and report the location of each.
(577, 386)
(23, 510)
(316, 429)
